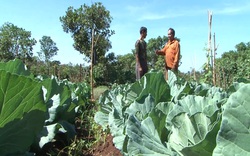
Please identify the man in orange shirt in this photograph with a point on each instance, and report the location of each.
(141, 54)
(171, 51)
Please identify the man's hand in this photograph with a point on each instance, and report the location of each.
(140, 70)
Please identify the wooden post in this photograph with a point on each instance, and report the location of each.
(59, 72)
(55, 70)
(214, 72)
(91, 68)
(209, 39)
(81, 74)
(194, 74)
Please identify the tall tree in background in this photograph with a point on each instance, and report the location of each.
(15, 42)
(48, 50)
(82, 22)
(90, 29)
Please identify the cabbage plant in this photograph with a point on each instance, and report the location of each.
(35, 110)
(157, 117)
(22, 109)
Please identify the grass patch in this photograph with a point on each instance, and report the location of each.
(98, 91)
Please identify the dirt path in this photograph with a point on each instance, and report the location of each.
(106, 148)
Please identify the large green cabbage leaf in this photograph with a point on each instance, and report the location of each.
(22, 112)
(190, 120)
(146, 118)
(144, 139)
(151, 83)
(58, 99)
(234, 135)
(16, 67)
(60, 112)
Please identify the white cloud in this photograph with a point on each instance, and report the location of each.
(231, 9)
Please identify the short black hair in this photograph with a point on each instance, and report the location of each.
(143, 29)
(172, 30)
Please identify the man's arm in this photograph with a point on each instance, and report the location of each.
(162, 51)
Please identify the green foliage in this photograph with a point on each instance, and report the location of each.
(22, 109)
(15, 66)
(157, 117)
(207, 74)
(233, 65)
(99, 90)
(234, 136)
(125, 68)
(84, 21)
(115, 69)
(15, 42)
(65, 101)
(38, 111)
(48, 49)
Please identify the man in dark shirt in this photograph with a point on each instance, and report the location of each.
(141, 54)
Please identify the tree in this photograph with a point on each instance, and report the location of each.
(241, 47)
(82, 22)
(48, 50)
(90, 29)
(234, 65)
(15, 42)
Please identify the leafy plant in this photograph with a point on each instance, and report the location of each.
(22, 110)
(157, 117)
(37, 111)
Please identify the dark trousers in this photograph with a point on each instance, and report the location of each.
(144, 70)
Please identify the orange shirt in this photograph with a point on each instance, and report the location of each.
(172, 54)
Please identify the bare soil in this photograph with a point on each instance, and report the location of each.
(105, 148)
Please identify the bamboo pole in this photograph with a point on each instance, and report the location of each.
(81, 74)
(209, 39)
(214, 72)
(91, 68)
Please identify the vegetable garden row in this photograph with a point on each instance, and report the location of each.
(35, 110)
(149, 117)
(177, 118)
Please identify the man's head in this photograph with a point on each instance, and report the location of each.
(171, 34)
(143, 32)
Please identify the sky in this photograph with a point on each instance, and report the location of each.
(230, 24)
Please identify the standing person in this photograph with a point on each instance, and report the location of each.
(171, 51)
(141, 54)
